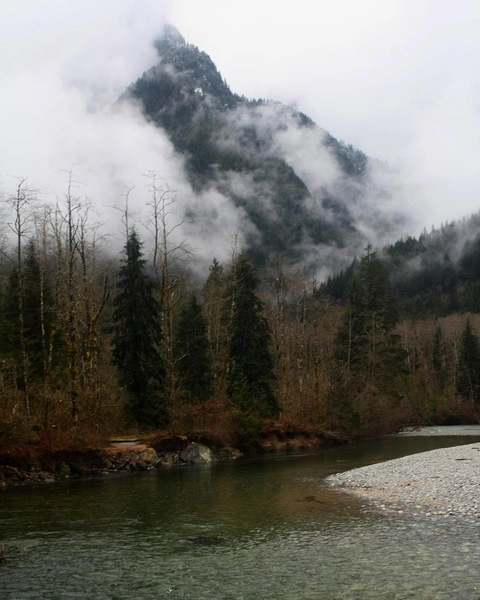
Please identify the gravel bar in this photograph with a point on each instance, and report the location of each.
(442, 482)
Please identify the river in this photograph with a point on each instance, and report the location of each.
(266, 529)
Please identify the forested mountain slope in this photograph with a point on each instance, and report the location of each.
(151, 338)
(304, 195)
(434, 275)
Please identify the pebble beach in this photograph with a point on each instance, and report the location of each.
(442, 483)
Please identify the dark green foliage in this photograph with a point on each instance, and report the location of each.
(338, 286)
(213, 304)
(340, 403)
(439, 273)
(32, 317)
(365, 337)
(470, 260)
(192, 352)
(368, 357)
(250, 374)
(248, 427)
(186, 96)
(136, 337)
(352, 160)
(468, 378)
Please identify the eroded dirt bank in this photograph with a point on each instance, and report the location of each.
(37, 464)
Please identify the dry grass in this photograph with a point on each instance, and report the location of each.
(34, 449)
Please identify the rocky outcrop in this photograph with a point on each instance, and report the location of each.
(197, 454)
(131, 455)
(120, 457)
(130, 458)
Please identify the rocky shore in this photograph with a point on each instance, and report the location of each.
(35, 465)
(441, 483)
(119, 457)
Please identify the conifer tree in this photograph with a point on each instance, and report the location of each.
(32, 313)
(192, 352)
(368, 354)
(136, 337)
(250, 369)
(213, 309)
(468, 380)
(366, 331)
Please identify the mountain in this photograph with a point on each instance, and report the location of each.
(302, 195)
(434, 275)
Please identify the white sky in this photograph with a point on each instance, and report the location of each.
(397, 78)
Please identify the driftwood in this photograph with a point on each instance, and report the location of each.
(19, 473)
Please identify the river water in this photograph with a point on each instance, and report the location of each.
(259, 530)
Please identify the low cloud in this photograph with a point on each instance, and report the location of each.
(61, 80)
(64, 65)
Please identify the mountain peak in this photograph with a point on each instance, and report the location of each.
(169, 39)
(247, 150)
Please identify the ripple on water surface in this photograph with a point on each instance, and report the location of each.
(367, 558)
(280, 534)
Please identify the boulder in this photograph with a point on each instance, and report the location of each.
(197, 454)
(108, 464)
(148, 458)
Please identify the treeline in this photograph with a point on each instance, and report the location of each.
(135, 341)
(432, 276)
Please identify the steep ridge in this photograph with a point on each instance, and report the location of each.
(305, 195)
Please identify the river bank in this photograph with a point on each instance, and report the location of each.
(41, 463)
(127, 456)
(248, 529)
(439, 483)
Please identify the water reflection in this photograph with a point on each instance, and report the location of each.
(283, 535)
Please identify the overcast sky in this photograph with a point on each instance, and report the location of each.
(397, 78)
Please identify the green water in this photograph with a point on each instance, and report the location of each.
(276, 532)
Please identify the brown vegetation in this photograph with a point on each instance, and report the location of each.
(61, 396)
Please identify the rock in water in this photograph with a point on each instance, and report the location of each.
(197, 454)
(203, 540)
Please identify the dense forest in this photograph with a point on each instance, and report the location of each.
(140, 340)
(434, 275)
(105, 340)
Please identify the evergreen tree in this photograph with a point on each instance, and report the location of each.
(192, 352)
(33, 320)
(468, 380)
(250, 369)
(368, 353)
(136, 337)
(366, 331)
(213, 309)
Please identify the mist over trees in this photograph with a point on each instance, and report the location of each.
(84, 340)
(434, 275)
(139, 334)
(289, 198)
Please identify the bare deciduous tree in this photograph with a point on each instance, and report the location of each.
(167, 257)
(22, 204)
